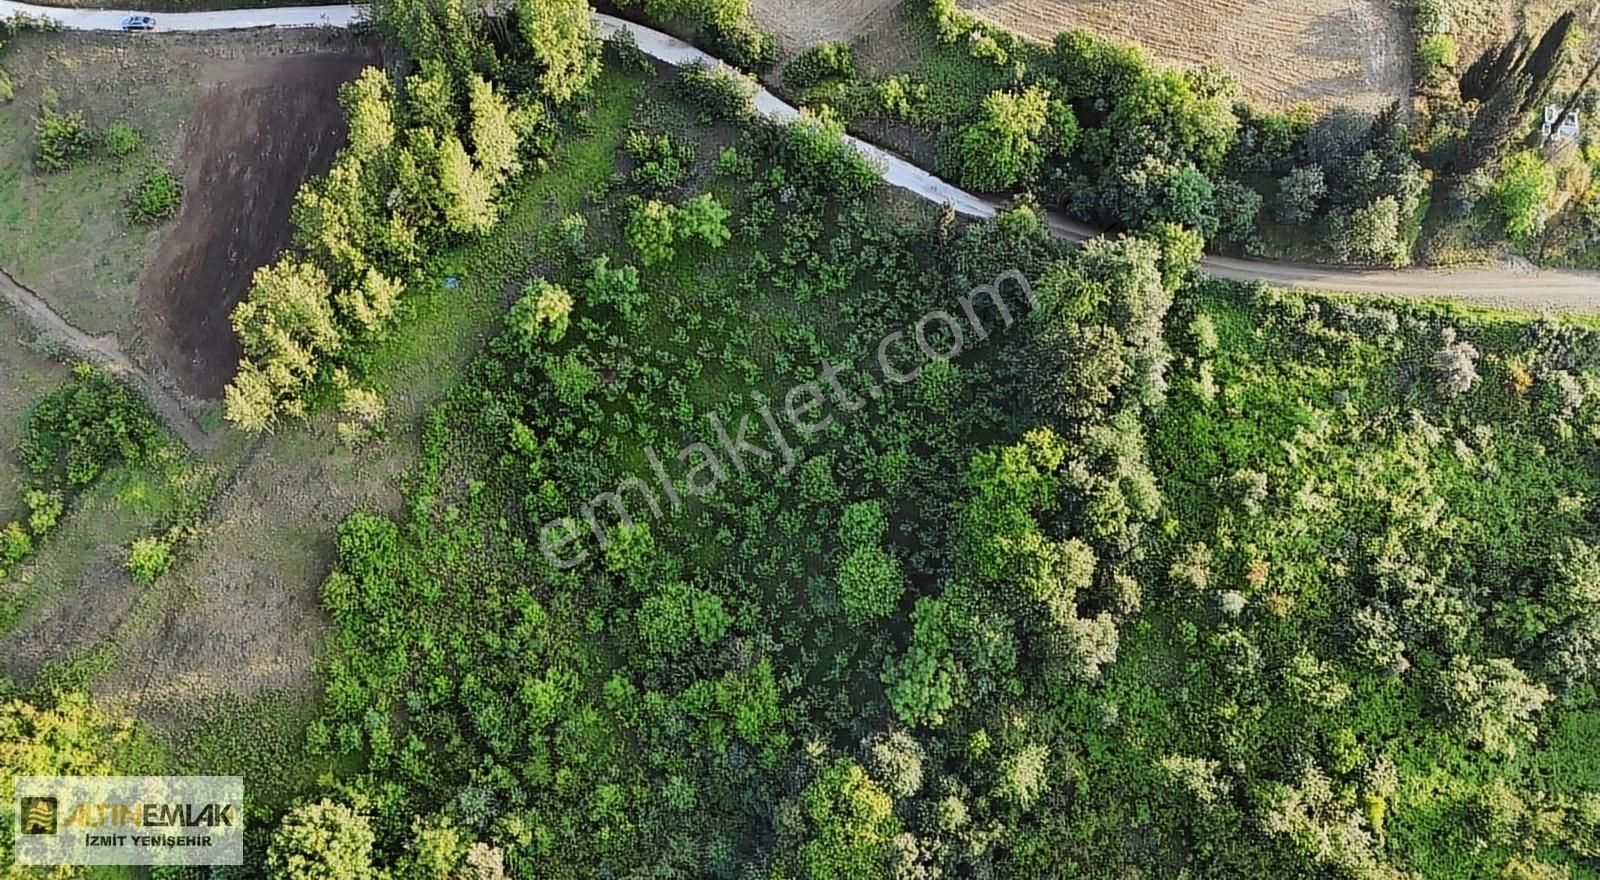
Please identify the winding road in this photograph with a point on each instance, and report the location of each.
(1530, 289)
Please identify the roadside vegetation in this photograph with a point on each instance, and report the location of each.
(762, 524)
(1099, 130)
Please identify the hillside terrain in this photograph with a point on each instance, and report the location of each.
(581, 473)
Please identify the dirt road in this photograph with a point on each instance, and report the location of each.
(106, 353)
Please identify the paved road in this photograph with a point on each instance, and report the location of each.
(1507, 288)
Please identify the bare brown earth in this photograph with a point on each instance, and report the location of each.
(258, 129)
(1285, 52)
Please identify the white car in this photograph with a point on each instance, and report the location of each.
(139, 23)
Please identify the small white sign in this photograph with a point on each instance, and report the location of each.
(129, 820)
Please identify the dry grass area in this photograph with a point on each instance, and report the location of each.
(248, 595)
(801, 24)
(1286, 52)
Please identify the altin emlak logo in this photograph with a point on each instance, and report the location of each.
(151, 815)
(38, 815)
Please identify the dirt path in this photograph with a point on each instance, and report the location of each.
(105, 352)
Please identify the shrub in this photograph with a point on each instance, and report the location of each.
(719, 91)
(652, 230)
(156, 197)
(1438, 54)
(1300, 194)
(1523, 194)
(62, 138)
(148, 559)
(819, 64)
(120, 140)
(743, 46)
(661, 162)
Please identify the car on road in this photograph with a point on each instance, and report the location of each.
(139, 23)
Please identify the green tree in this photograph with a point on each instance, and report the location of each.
(321, 841)
(369, 110)
(850, 825)
(1523, 194)
(494, 138)
(69, 737)
(563, 42)
(467, 192)
(653, 231)
(1005, 145)
(1493, 702)
(1371, 234)
(286, 326)
(870, 584)
(704, 218)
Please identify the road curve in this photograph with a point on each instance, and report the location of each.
(1530, 290)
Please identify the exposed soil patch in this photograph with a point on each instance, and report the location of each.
(258, 129)
(1285, 52)
(801, 25)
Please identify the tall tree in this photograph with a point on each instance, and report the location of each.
(562, 40)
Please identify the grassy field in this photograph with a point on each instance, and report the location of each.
(258, 599)
(64, 234)
(25, 374)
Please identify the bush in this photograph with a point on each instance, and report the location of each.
(62, 138)
(1438, 54)
(1523, 194)
(1371, 235)
(148, 559)
(120, 140)
(719, 91)
(820, 64)
(743, 46)
(661, 162)
(156, 197)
